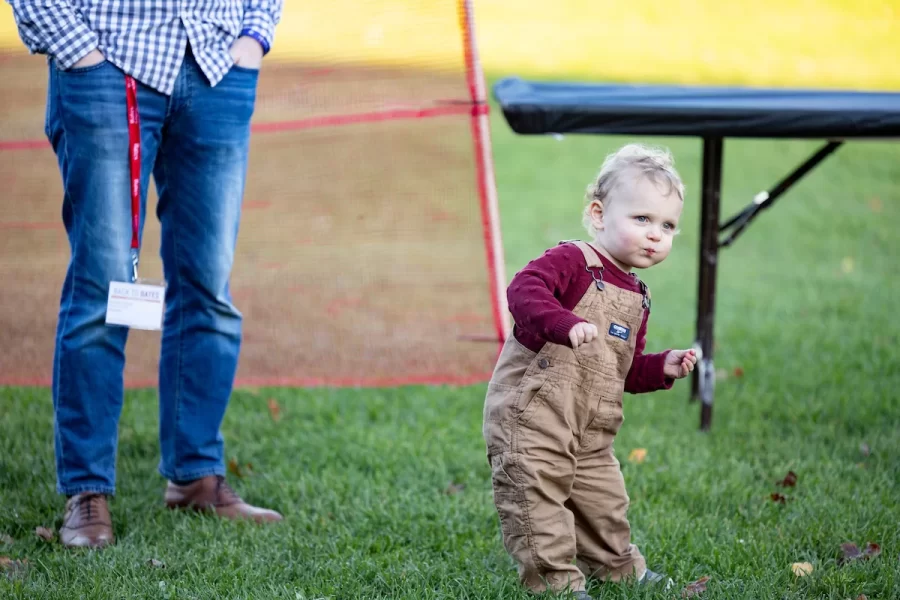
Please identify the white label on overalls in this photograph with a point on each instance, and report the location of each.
(136, 305)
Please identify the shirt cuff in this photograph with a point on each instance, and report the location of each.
(560, 333)
(259, 37)
(71, 44)
(656, 372)
(259, 25)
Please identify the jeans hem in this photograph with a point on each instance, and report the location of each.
(191, 475)
(80, 489)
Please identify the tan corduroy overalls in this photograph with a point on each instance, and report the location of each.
(550, 419)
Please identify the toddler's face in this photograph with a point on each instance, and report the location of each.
(638, 223)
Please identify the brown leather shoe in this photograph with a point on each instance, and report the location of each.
(213, 493)
(87, 523)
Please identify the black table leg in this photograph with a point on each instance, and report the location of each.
(704, 378)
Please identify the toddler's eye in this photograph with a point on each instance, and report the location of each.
(669, 226)
(641, 219)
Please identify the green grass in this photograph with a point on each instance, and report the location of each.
(361, 474)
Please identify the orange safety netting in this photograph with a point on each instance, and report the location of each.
(369, 249)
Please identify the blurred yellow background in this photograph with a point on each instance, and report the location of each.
(803, 43)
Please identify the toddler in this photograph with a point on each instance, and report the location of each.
(554, 402)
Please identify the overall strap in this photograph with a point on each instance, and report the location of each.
(590, 255)
(593, 265)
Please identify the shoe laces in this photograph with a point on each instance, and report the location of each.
(88, 506)
(225, 494)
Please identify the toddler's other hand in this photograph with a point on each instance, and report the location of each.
(679, 363)
(582, 333)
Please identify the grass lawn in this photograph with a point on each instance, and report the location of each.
(387, 492)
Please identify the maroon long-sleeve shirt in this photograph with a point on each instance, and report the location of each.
(543, 294)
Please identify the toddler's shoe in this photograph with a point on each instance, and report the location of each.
(651, 578)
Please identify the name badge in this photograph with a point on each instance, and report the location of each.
(136, 305)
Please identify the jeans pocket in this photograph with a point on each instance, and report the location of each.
(86, 69)
(247, 70)
(50, 109)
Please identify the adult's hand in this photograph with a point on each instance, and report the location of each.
(246, 52)
(94, 57)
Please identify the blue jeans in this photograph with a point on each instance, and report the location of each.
(195, 144)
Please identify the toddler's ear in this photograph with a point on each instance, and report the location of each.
(596, 212)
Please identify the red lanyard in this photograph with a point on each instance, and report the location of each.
(134, 156)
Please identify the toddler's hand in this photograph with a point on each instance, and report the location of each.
(679, 363)
(582, 333)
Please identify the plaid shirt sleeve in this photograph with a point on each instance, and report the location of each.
(53, 28)
(260, 19)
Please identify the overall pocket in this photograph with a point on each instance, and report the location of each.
(613, 351)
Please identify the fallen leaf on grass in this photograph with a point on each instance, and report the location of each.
(875, 204)
(638, 455)
(239, 471)
(776, 497)
(454, 488)
(802, 569)
(738, 372)
(864, 449)
(44, 534)
(862, 597)
(156, 564)
(274, 409)
(790, 480)
(5, 539)
(852, 552)
(696, 588)
(872, 550)
(13, 568)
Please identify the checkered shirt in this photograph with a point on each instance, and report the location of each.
(146, 38)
